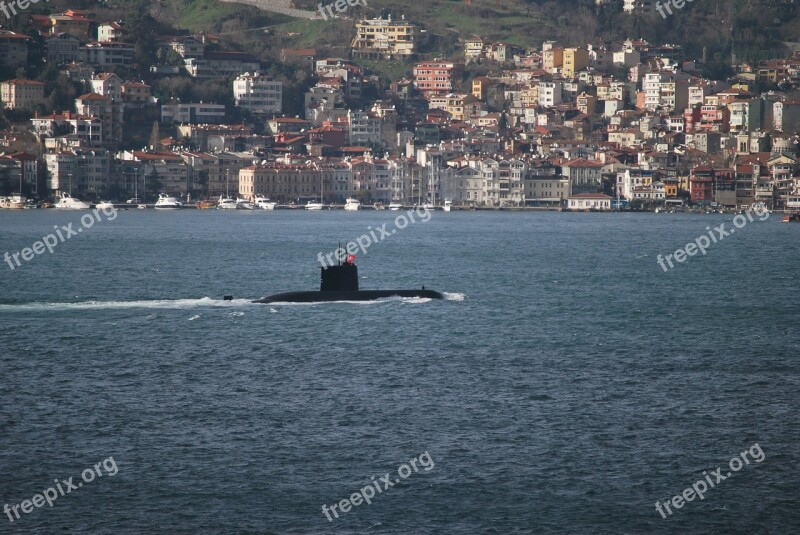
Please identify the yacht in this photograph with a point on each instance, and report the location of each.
(395, 206)
(244, 204)
(226, 203)
(448, 205)
(15, 202)
(205, 205)
(104, 205)
(313, 205)
(351, 204)
(66, 202)
(264, 203)
(167, 202)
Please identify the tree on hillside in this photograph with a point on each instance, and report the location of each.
(153, 183)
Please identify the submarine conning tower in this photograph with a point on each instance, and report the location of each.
(341, 278)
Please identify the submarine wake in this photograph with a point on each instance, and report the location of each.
(165, 304)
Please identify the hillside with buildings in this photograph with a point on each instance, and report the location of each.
(204, 98)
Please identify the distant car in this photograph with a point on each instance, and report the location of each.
(135, 200)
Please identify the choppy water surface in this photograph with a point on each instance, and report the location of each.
(565, 385)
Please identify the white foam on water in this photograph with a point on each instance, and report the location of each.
(182, 304)
(174, 304)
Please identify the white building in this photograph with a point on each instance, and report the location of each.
(107, 84)
(79, 170)
(192, 112)
(550, 94)
(258, 94)
(364, 128)
(589, 201)
(104, 55)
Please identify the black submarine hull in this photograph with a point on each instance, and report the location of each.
(352, 295)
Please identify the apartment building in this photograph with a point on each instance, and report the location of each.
(221, 65)
(437, 77)
(105, 109)
(13, 48)
(21, 93)
(192, 113)
(258, 94)
(62, 48)
(384, 38)
(106, 55)
(575, 60)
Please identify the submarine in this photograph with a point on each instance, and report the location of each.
(340, 283)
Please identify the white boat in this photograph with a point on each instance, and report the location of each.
(66, 202)
(226, 203)
(352, 205)
(104, 205)
(167, 202)
(264, 203)
(14, 202)
(244, 204)
(395, 206)
(313, 205)
(448, 205)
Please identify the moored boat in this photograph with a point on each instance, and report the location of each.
(226, 203)
(352, 205)
(67, 202)
(264, 203)
(167, 202)
(15, 202)
(244, 204)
